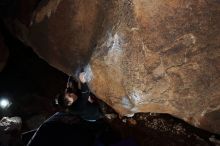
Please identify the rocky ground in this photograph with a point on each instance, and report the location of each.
(150, 129)
(160, 129)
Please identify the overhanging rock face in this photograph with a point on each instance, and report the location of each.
(64, 32)
(147, 55)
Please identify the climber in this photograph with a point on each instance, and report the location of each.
(82, 120)
(87, 108)
(82, 104)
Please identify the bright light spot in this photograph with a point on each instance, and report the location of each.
(4, 103)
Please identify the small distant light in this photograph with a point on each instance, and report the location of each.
(4, 103)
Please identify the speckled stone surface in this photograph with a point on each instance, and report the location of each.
(144, 55)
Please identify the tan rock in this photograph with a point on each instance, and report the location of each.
(132, 121)
(147, 55)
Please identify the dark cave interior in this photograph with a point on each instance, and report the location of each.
(28, 79)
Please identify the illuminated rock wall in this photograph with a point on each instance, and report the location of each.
(144, 55)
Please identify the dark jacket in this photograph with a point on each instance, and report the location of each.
(83, 108)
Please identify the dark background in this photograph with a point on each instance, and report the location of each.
(28, 82)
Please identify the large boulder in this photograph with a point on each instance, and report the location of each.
(147, 55)
(63, 32)
(161, 56)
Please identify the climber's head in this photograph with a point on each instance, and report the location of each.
(67, 98)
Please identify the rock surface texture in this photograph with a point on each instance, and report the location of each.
(144, 55)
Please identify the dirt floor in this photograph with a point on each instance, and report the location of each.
(143, 129)
(151, 129)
